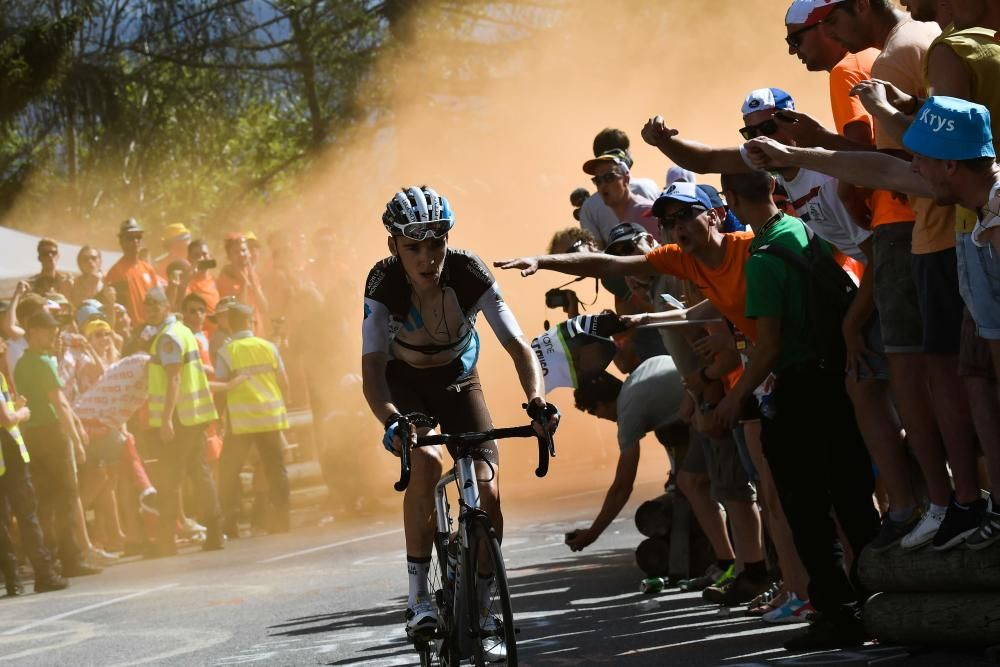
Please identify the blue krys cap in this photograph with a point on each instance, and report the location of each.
(687, 193)
(948, 128)
(767, 98)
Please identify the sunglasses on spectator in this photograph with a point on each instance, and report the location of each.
(794, 39)
(622, 248)
(577, 246)
(765, 129)
(684, 215)
(609, 177)
(48, 253)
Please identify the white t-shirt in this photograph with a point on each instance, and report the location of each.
(599, 220)
(814, 197)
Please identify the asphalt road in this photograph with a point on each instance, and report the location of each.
(334, 596)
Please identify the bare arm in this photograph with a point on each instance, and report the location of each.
(528, 370)
(68, 421)
(615, 499)
(11, 418)
(876, 171)
(173, 372)
(8, 323)
(692, 155)
(586, 264)
(376, 388)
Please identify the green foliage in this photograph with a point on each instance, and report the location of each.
(189, 110)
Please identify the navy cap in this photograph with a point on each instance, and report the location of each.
(686, 193)
(948, 128)
(623, 233)
(713, 195)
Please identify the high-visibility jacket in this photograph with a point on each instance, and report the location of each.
(194, 401)
(256, 405)
(14, 431)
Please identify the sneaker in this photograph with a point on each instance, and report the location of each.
(191, 529)
(714, 576)
(53, 582)
(149, 502)
(421, 620)
(492, 636)
(893, 531)
(793, 611)
(827, 634)
(959, 523)
(102, 557)
(924, 531)
(987, 534)
(740, 590)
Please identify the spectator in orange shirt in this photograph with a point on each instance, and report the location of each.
(239, 278)
(202, 282)
(131, 276)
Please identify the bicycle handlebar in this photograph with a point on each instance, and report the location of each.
(546, 446)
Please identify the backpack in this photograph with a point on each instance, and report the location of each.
(828, 291)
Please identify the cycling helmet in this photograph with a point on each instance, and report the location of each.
(418, 213)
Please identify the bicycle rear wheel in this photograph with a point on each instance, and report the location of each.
(489, 599)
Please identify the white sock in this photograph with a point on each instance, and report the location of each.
(938, 509)
(485, 594)
(417, 569)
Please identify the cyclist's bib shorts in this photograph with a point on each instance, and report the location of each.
(449, 393)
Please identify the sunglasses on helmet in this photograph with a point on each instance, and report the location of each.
(420, 231)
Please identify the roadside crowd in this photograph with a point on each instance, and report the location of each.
(133, 397)
(817, 341)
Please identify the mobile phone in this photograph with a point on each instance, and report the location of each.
(670, 300)
(205, 264)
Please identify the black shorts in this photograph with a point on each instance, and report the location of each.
(941, 307)
(442, 393)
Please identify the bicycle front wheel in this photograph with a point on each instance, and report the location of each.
(489, 599)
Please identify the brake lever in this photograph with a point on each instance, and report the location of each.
(405, 429)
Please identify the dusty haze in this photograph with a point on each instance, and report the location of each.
(508, 149)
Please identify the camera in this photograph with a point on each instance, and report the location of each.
(206, 264)
(559, 298)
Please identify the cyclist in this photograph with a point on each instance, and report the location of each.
(419, 354)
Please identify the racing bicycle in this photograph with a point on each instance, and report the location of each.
(463, 561)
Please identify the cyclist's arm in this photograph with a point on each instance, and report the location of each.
(615, 499)
(501, 319)
(375, 386)
(374, 358)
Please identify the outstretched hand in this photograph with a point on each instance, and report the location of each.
(876, 93)
(801, 127)
(766, 153)
(528, 265)
(655, 131)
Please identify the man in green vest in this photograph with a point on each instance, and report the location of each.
(180, 408)
(16, 490)
(257, 416)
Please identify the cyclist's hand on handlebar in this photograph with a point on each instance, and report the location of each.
(392, 441)
(544, 416)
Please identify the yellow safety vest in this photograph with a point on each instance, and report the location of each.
(14, 431)
(194, 402)
(256, 405)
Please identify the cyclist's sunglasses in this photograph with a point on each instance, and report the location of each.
(765, 129)
(605, 178)
(686, 214)
(794, 39)
(420, 231)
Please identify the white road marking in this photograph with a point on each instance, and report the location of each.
(91, 607)
(582, 494)
(334, 545)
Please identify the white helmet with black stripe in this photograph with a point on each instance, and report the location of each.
(418, 213)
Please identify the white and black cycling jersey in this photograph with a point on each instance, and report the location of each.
(394, 325)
